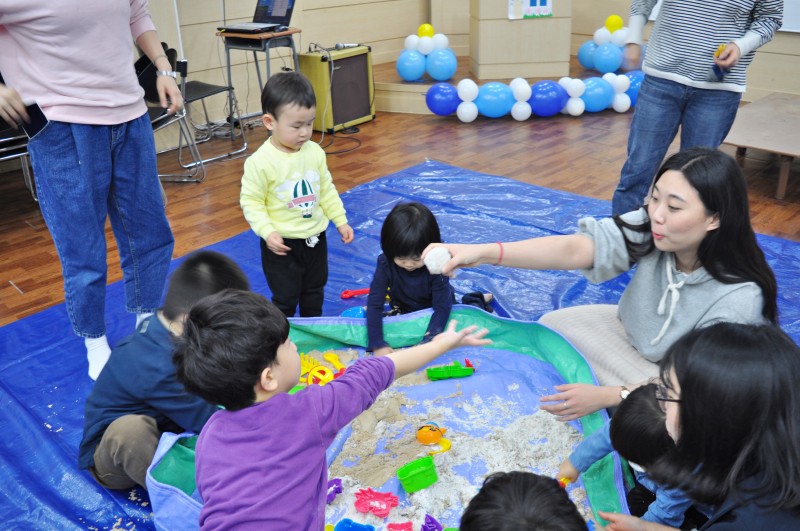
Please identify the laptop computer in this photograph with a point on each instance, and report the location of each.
(270, 16)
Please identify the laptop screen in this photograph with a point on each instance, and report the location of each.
(274, 12)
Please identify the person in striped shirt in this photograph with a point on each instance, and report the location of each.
(680, 87)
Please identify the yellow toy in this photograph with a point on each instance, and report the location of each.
(306, 364)
(321, 374)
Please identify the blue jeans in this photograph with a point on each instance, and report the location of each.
(705, 117)
(85, 173)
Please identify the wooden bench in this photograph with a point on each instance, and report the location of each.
(771, 124)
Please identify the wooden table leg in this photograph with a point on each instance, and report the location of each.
(783, 176)
(740, 155)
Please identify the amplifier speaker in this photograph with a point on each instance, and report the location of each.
(343, 85)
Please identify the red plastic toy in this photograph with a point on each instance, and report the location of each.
(350, 293)
(377, 503)
(400, 526)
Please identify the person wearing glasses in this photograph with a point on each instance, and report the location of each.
(697, 261)
(638, 433)
(733, 409)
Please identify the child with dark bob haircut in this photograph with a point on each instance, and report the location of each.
(261, 462)
(401, 274)
(513, 501)
(637, 432)
(289, 199)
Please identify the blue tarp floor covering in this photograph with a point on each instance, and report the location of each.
(43, 381)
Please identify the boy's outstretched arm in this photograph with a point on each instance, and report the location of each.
(409, 360)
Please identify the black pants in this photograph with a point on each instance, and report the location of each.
(639, 499)
(297, 278)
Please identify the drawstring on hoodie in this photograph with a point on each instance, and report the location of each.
(672, 287)
(311, 241)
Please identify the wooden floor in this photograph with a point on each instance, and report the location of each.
(581, 155)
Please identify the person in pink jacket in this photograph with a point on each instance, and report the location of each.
(95, 158)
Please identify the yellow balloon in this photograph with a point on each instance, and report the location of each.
(425, 30)
(614, 22)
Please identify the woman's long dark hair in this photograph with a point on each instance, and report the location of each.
(739, 416)
(729, 253)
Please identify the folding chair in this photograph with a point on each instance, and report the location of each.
(147, 74)
(14, 145)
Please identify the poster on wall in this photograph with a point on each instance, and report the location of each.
(519, 9)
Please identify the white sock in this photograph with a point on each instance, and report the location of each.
(141, 317)
(97, 352)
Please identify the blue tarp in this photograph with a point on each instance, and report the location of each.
(43, 382)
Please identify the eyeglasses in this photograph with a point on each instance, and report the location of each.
(662, 395)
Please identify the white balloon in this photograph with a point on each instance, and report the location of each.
(610, 77)
(602, 36)
(576, 88)
(621, 84)
(412, 41)
(521, 111)
(467, 90)
(440, 41)
(564, 82)
(622, 102)
(575, 106)
(425, 45)
(620, 36)
(467, 111)
(520, 89)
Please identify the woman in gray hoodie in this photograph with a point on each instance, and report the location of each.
(697, 262)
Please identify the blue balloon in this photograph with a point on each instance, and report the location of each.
(607, 58)
(547, 98)
(598, 94)
(586, 54)
(411, 65)
(442, 99)
(636, 77)
(495, 99)
(441, 64)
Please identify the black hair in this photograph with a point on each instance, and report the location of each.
(730, 253)
(637, 429)
(287, 88)
(202, 273)
(408, 230)
(229, 338)
(738, 415)
(510, 501)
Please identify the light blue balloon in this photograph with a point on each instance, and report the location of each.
(411, 65)
(636, 77)
(598, 94)
(586, 54)
(607, 58)
(441, 65)
(495, 99)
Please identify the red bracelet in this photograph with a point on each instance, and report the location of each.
(500, 258)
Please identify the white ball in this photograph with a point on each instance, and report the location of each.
(622, 102)
(576, 88)
(575, 106)
(520, 89)
(621, 84)
(602, 36)
(425, 45)
(440, 41)
(467, 90)
(467, 111)
(412, 41)
(521, 111)
(620, 36)
(436, 258)
(564, 82)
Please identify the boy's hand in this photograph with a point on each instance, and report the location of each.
(347, 233)
(568, 470)
(624, 522)
(275, 244)
(468, 336)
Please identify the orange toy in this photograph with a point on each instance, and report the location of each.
(430, 433)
